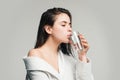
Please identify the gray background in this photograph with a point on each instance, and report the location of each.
(97, 20)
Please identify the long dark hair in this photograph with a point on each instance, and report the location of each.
(48, 18)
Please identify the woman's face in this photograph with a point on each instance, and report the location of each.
(61, 30)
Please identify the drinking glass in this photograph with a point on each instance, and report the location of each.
(76, 42)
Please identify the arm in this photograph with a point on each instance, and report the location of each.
(83, 71)
(82, 54)
(83, 66)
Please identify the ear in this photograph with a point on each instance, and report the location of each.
(48, 29)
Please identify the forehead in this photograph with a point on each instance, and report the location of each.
(62, 18)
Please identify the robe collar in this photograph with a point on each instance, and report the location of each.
(36, 63)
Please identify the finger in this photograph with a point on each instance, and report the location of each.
(84, 41)
(85, 45)
(81, 36)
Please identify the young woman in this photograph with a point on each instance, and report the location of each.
(52, 58)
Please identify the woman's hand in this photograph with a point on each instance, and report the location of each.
(83, 52)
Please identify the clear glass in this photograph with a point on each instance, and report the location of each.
(76, 42)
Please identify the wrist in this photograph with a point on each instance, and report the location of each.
(83, 58)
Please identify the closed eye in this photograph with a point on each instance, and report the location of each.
(63, 25)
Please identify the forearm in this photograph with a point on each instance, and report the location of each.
(83, 71)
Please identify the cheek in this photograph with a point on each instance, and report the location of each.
(58, 31)
(59, 35)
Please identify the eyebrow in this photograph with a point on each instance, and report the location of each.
(66, 22)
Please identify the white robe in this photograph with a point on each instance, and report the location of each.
(69, 69)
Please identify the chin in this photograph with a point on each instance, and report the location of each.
(67, 41)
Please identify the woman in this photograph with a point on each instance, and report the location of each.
(51, 58)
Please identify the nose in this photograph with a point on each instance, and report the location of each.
(70, 29)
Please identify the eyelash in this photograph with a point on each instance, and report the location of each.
(63, 25)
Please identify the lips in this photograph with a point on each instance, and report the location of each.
(69, 36)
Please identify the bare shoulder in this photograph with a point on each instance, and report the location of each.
(33, 52)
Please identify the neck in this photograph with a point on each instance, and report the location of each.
(51, 46)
